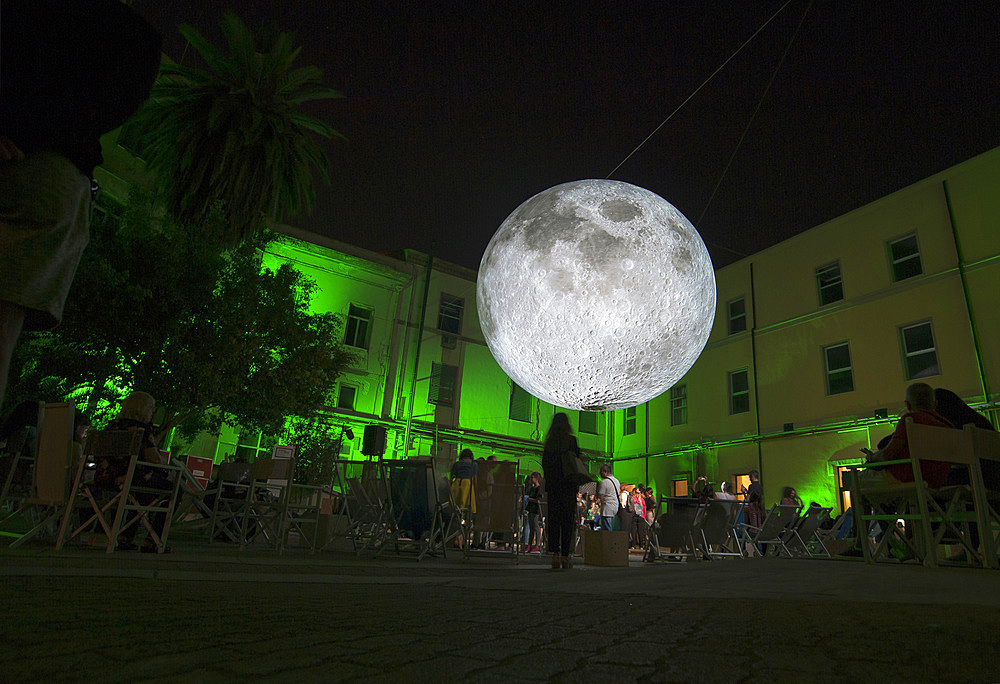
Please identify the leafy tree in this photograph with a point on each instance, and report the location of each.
(235, 135)
(213, 336)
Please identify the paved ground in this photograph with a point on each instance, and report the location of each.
(215, 615)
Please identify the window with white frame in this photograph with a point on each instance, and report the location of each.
(588, 422)
(450, 314)
(628, 421)
(678, 405)
(839, 374)
(905, 256)
(739, 392)
(737, 315)
(358, 328)
(829, 283)
(919, 353)
(345, 396)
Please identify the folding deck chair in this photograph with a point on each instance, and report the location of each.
(774, 530)
(716, 532)
(674, 530)
(803, 540)
(16, 462)
(149, 488)
(230, 496)
(266, 510)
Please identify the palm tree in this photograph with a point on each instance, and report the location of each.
(234, 138)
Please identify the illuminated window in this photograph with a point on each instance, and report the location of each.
(679, 488)
(520, 403)
(345, 397)
(588, 422)
(844, 489)
(905, 256)
(739, 392)
(359, 322)
(839, 375)
(737, 315)
(450, 314)
(628, 421)
(443, 381)
(740, 482)
(678, 405)
(919, 352)
(831, 287)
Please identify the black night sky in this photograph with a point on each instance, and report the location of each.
(455, 113)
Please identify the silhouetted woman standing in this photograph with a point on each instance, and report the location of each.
(561, 520)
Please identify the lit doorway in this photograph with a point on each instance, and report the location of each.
(740, 481)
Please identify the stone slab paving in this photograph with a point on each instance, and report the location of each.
(221, 616)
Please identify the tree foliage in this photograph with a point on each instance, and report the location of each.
(235, 135)
(213, 336)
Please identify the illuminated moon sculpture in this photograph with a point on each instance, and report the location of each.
(596, 295)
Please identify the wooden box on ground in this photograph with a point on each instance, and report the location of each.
(605, 548)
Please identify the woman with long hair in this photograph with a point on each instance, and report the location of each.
(561, 493)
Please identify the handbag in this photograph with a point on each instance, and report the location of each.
(575, 470)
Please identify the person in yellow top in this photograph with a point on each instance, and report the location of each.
(463, 481)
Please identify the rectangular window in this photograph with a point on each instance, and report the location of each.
(839, 375)
(919, 352)
(345, 397)
(679, 488)
(588, 422)
(359, 323)
(737, 316)
(628, 421)
(520, 403)
(831, 287)
(450, 314)
(678, 405)
(443, 380)
(739, 392)
(905, 256)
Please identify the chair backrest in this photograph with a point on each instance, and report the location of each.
(810, 522)
(234, 471)
(939, 443)
(986, 448)
(54, 458)
(718, 519)
(778, 519)
(677, 518)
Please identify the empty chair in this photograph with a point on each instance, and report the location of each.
(773, 530)
(717, 533)
(803, 538)
(674, 530)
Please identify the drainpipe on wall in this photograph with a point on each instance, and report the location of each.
(983, 380)
(416, 360)
(753, 360)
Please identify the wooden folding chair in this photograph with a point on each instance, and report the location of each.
(41, 509)
(267, 506)
(16, 463)
(150, 489)
(932, 518)
(93, 504)
(303, 512)
(230, 495)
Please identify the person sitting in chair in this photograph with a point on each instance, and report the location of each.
(920, 409)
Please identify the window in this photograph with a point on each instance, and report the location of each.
(443, 380)
(520, 403)
(450, 314)
(679, 488)
(737, 316)
(359, 323)
(839, 376)
(831, 287)
(905, 256)
(919, 353)
(588, 422)
(740, 482)
(345, 397)
(679, 405)
(628, 421)
(739, 392)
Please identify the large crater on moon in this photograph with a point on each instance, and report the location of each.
(596, 295)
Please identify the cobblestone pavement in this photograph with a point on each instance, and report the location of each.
(199, 617)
